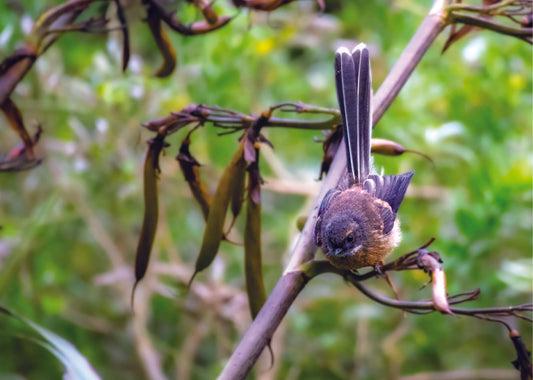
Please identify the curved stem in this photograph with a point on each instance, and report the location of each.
(522, 33)
(265, 324)
(482, 9)
(275, 122)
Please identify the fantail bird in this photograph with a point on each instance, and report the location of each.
(356, 224)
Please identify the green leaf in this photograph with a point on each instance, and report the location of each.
(77, 366)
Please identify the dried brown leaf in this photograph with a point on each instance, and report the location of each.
(190, 168)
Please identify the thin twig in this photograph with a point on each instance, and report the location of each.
(525, 34)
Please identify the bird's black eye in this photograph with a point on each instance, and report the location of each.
(349, 238)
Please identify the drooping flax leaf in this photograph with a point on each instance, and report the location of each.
(77, 366)
(189, 167)
(162, 42)
(151, 208)
(255, 287)
(213, 233)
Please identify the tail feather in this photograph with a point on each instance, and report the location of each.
(365, 112)
(354, 92)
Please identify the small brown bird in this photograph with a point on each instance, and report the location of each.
(356, 224)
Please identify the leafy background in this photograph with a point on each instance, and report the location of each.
(70, 226)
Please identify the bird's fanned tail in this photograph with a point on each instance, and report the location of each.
(356, 224)
(354, 93)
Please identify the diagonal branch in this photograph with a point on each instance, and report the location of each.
(293, 280)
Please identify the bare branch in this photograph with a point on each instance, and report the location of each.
(410, 306)
(236, 121)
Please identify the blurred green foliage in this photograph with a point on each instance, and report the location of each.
(70, 226)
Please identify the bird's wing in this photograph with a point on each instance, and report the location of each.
(391, 189)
